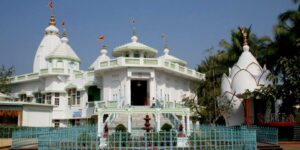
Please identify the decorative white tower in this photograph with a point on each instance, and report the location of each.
(49, 42)
(246, 74)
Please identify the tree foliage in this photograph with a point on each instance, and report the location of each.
(5, 74)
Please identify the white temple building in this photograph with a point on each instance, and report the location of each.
(132, 83)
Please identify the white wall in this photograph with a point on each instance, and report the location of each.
(37, 116)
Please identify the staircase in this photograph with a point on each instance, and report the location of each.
(138, 121)
(296, 134)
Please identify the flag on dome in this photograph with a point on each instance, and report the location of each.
(101, 37)
(63, 24)
(50, 5)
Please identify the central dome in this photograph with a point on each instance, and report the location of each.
(134, 47)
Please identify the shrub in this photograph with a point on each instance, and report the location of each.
(166, 127)
(121, 127)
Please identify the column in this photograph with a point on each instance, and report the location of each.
(100, 125)
(128, 92)
(158, 122)
(129, 123)
(188, 124)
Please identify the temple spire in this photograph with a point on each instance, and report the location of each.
(52, 18)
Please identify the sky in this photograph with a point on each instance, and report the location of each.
(191, 26)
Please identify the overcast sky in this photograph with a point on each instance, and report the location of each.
(192, 26)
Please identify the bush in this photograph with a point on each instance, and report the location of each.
(121, 127)
(166, 127)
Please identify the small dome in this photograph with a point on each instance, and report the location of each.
(64, 50)
(134, 46)
(51, 28)
(101, 58)
(171, 58)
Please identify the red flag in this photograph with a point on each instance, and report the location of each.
(63, 24)
(101, 37)
(50, 5)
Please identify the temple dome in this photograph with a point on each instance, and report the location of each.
(101, 58)
(64, 51)
(134, 46)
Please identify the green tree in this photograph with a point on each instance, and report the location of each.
(5, 74)
(287, 56)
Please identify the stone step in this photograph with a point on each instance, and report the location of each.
(265, 146)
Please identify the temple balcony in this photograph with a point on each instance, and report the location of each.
(123, 62)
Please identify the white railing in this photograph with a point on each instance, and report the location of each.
(42, 72)
(151, 62)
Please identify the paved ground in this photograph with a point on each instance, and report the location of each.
(290, 146)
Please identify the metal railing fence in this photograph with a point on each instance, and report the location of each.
(85, 137)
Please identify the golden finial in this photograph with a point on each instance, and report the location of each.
(245, 35)
(52, 20)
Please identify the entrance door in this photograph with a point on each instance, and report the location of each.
(139, 93)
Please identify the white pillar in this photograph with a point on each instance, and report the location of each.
(129, 123)
(128, 91)
(188, 125)
(158, 122)
(100, 125)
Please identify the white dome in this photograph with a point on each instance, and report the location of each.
(133, 46)
(51, 28)
(65, 51)
(101, 58)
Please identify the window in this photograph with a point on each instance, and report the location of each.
(136, 55)
(78, 97)
(56, 123)
(127, 54)
(73, 97)
(48, 98)
(75, 122)
(39, 98)
(23, 97)
(56, 99)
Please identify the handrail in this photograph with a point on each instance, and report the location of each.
(112, 116)
(171, 116)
